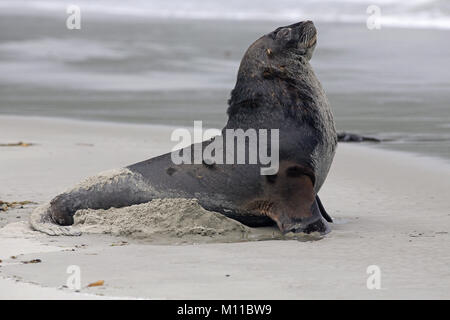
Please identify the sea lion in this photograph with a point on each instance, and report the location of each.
(276, 88)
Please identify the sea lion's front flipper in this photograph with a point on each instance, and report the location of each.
(315, 222)
(290, 200)
(323, 212)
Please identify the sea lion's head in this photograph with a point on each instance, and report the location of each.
(282, 55)
(296, 41)
(299, 38)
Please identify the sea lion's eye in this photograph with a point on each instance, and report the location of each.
(284, 34)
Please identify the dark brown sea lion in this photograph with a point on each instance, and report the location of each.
(276, 89)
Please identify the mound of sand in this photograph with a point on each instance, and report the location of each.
(171, 221)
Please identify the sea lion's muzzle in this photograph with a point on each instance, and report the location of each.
(307, 35)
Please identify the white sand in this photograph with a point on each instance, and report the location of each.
(165, 221)
(391, 210)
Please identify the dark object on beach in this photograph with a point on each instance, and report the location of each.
(4, 206)
(351, 137)
(96, 283)
(81, 144)
(32, 261)
(277, 89)
(122, 243)
(17, 144)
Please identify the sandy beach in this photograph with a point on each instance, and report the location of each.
(391, 210)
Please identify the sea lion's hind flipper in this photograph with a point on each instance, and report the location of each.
(115, 188)
(41, 220)
(322, 210)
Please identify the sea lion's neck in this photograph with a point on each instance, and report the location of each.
(272, 87)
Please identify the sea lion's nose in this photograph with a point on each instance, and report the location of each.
(308, 24)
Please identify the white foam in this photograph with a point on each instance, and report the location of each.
(395, 13)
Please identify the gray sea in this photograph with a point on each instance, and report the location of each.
(173, 62)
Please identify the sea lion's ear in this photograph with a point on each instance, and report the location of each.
(284, 35)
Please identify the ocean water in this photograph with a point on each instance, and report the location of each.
(173, 62)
